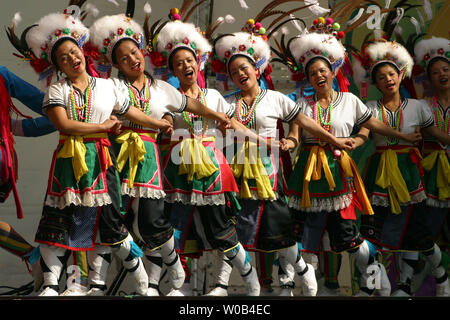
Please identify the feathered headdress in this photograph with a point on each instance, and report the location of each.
(106, 33)
(164, 38)
(429, 49)
(376, 52)
(37, 41)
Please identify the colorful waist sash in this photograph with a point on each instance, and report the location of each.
(317, 161)
(133, 150)
(74, 148)
(389, 176)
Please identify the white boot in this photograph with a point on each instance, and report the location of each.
(54, 260)
(223, 276)
(174, 267)
(99, 261)
(133, 263)
(443, 289)
(153, 265)
(291, 256)
(241, 260)
(373, 276)
(434, 258)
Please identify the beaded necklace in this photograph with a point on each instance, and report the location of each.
(135, 97)
(442, 124)
(397, 125)
(323, 119)
(319, 116)
(82, 113)
(191, 119)
(247, 119)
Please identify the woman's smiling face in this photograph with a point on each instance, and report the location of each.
(129, 59)
(243, 73)
(185, 67)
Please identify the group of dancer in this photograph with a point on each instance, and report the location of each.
(141, 171)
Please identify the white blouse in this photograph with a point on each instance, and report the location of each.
(214, 101)
(348, 111)
(105, 99)
(164, 98)
(272, 106)
(414, 114)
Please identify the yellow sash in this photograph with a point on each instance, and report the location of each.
(133, 151)
(317, 161)
(74, 148)
(195, 159)
(443, 171)
(248, 165)
(390, 177)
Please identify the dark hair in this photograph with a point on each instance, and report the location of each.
(169, 61)
(378, 66)
(238, 56)
(310, 62)
(433, 61)
(55, 47)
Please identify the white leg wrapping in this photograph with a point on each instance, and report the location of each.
(406, 271)
(153, 266)
(224, 270)
(172, 261)
(434, 259)
(240, 259)
(50, 255)
(134, 265)
(99, 260)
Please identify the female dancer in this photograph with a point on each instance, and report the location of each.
(265, 222)
(432, 55)
(82, 203)
(393, 174)
(142, 180)
(199, 192)
(325, 186)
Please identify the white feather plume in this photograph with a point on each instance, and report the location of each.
(315, 8)
(114, 2)
(229, 18)
(415, 24)
(92, 9)
(243, 4)
(147, 8)
(427, 9)
(16, 19)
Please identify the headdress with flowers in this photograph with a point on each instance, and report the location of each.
(37, 41)
(376, 52)
(429, 49)
(106, 33)
(251, 42)
(164, 38)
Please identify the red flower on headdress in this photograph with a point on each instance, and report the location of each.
(217, 66)
(158, 59)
